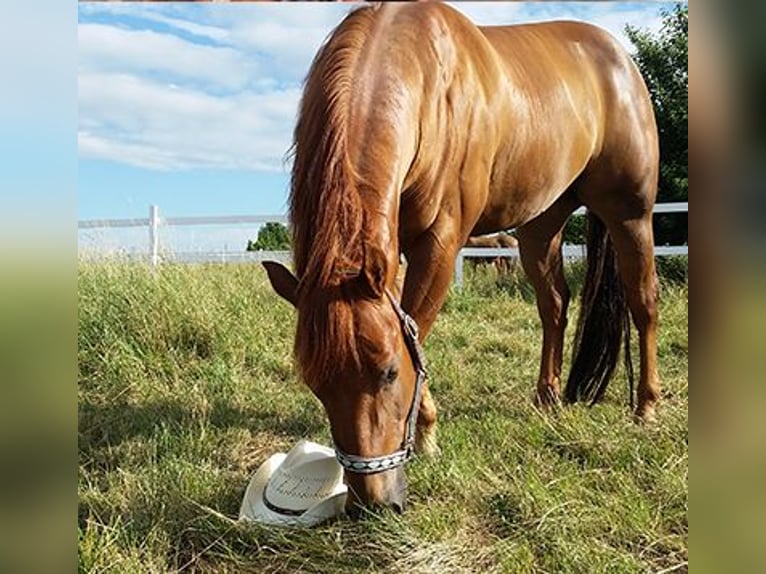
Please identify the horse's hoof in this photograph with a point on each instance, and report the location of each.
(646, 414)
(547, 399)
(425, 443)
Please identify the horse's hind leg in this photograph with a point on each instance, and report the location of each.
(634, 243)
(540, 251)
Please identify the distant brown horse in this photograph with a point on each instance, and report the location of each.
(418, 129)
(504, 265)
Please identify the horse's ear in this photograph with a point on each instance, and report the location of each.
(375, 269)
(283, 281)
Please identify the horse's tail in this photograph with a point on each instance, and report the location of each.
(603, 324)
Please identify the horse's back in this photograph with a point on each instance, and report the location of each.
(585, 107)
(584, 56)
(498, 120)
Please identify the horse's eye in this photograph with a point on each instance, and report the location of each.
(390, 375)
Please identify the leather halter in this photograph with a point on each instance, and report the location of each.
(372, 465)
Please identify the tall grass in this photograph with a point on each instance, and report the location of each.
(186, 385)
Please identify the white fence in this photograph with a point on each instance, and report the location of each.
(571, 251)
(154, 223)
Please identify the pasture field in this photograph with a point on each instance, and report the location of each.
(186, 384)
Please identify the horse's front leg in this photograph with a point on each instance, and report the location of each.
(430, 263)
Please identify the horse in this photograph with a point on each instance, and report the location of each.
(417, 129)
(503, 265)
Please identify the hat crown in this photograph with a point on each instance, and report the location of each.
(308, 475)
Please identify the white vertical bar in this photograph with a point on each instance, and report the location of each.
(154, 236)
(459, 269)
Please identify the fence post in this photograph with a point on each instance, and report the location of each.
(154, 236)
(459, 269)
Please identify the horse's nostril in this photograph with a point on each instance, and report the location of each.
(397, 502)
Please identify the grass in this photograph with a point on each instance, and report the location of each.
(186, 385)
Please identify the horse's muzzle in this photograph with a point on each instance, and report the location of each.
(376, 492)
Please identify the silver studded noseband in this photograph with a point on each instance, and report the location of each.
(372, 465)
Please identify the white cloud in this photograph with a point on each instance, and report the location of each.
(170, 15)
(283, 38)
(647, 19)
(143, 123)
(105, 47)
(609, 15)
(161, 100)
(214, 33)
(492, 13)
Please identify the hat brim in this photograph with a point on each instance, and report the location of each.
(254, 509)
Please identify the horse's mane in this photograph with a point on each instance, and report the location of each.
(326, 210)
(325, 207)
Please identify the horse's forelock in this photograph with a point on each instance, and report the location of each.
(326, 209)
(325, 340)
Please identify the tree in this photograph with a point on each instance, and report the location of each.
(663, 60)
(271, 237)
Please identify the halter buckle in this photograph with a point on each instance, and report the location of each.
(411, 326)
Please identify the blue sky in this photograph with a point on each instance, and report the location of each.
(191, 106)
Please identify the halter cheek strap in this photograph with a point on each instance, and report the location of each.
(372, 465)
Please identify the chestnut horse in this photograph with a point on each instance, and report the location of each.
(418, 129)
(503, 265)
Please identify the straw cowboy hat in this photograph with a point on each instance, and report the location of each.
(301, 488)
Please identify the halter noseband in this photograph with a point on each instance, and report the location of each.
(372, 465)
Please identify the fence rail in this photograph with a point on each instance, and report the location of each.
(154, 223)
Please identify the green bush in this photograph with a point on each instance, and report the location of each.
(271, 237)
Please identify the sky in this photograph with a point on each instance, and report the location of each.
(191, 106)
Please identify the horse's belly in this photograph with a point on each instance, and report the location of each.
(507, 216)
(528, 180)
(512, 203)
